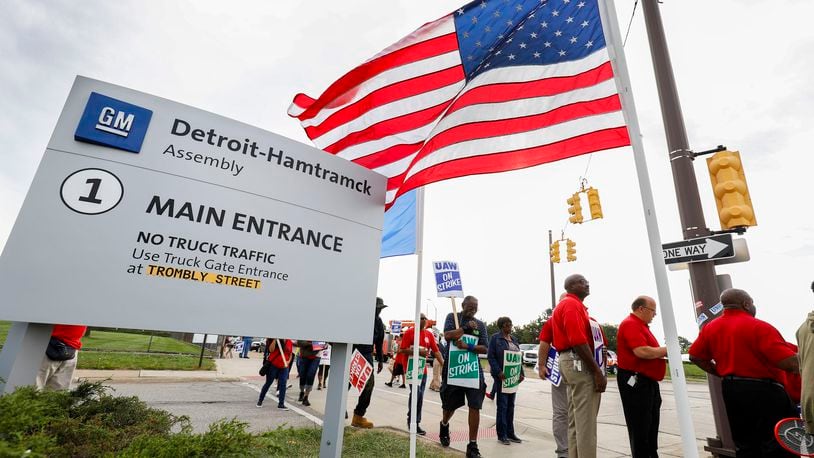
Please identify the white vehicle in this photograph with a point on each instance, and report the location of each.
(529, 354)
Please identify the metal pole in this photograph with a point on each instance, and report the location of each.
(203, 345)
(702, 274)
(22, 354)
(333, 427)
(417, 323)
(150, 343)
(551, 270)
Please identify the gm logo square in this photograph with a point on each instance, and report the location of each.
(110, 122)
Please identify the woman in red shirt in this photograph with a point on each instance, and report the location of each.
(277, 363)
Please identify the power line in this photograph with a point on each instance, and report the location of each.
(630, 23)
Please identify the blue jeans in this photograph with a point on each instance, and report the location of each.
(308, 371)
(281, 375)
(247, 345)
(505, 415)
(419, 401)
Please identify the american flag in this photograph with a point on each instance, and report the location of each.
(497, 85)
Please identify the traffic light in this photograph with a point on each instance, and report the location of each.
(570, 250)
(574, 209)
(593, 203)
(731, 193)
(555, 252)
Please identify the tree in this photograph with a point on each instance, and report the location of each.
(610, 331)
(684, 343)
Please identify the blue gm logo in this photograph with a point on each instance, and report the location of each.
(110, 122)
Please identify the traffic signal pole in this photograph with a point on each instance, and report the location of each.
(702, 274)
(551, 269)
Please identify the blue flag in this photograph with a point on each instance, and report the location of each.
(398, 234)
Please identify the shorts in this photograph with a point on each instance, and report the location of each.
(398, 369)
(452, 396)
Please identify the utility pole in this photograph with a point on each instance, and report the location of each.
(702, 274)
(551, 270)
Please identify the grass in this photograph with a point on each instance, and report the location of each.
(89, 421)
(110, 350)
(146, 361)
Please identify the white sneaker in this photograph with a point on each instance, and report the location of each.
(259, 405)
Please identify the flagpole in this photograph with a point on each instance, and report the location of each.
(607, 12)
(419, 250)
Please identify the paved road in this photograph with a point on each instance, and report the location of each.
(208, 401)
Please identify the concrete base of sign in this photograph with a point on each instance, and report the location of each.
(22, 354)
(333, 427)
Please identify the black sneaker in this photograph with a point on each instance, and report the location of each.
(305, 401)
(472, 450)
(420, 431)
(443, 434)
(302, 394)
(282, 407)
(515, 439)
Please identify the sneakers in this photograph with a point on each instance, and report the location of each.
(403, 386)
(503, 441)
(302, 394)
(443, 434)
(472, 450)
(420, 431)
(515, 439)
(361, 422)
(259, 404)
(390, 384)
(281, 407)
(305, 401)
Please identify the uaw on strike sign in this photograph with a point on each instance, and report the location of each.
(448, 279)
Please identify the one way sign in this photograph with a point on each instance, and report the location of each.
(700, 249)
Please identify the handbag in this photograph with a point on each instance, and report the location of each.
(57, 350)
(264, 368)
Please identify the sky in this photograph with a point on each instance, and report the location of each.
(743, 78)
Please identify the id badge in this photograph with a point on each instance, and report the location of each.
(578, 365)
(632, 381)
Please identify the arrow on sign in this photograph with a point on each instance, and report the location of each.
(701, 249)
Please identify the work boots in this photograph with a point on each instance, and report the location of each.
(361, 422)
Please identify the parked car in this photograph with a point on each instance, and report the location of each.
(258, 345)
(530, 354)
(611, 362)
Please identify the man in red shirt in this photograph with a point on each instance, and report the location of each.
(641, 367)
(59, 361)
(574, 338)
(426, 342)
(559, 393)
(745, 351)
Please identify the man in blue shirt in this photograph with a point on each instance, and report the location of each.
(452, 396)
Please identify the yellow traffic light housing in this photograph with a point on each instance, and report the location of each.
(731, 192)
(574, 209)
(570, 250)
(555, 252)
(593, 203)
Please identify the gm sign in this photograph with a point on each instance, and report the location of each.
(110, 122)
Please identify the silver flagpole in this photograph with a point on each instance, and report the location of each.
(419, 249)
(610, 25)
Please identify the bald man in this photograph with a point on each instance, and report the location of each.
(746, 352)
(641, 367)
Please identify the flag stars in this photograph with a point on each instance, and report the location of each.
(510, 23)
(461, 12)
(555, 13)
(562, 53)
(483, 5)
(547, 44)
(474, 19)
(511, 56)
(466, 34)
(585, 23)
(496, 14)
(523, 46)
(499, 52)
(488, 29)
(518, 8)
(544, 24)
(580, 4)
(558, 33)
(537, 55)
(478, 44)
(569, 19)
(533, 35)
(589, 44)
(573, 40)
